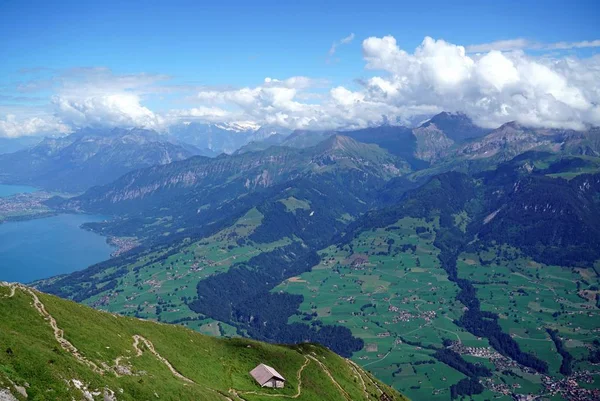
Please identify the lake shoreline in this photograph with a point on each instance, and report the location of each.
(38, 248)
(26, 206)
(14, 219)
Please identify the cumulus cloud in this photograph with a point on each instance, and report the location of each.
(97, 97)
(13, 127)
(107, 109)
(493, 88)
(493, 83)
(283, 103)
(200, 113)
(88, 97)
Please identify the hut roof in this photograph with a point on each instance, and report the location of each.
(263, 373)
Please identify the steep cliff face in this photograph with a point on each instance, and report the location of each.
(512, 139)
(457, 126)
(507, 141)
(432, 142)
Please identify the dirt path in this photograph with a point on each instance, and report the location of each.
(70, 348)
(532, 339)
(449, 331)
(238, 394)
(344, 393)
(59, 334)
(299, 378)
(373, 382)
(362, 380)
(359, 369)
(12, 289)
(136, 341)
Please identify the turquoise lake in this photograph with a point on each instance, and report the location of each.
(41, 248)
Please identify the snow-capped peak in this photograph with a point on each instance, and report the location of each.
(239, 126)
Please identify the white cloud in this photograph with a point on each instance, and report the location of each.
(13, 127)
(98, 97)
(88, 97)
(501, 45)
(274, 101)
(491, 85)
(344, 41)
(108, 109)
(493, 88)
(574, 45)
(524, 44)
(201, 113)
(344, 97)
(283, 102)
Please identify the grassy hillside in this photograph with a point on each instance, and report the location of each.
(54, 349)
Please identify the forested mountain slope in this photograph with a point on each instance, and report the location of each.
(199, 191)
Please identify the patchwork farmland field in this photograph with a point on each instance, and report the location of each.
(388, 288)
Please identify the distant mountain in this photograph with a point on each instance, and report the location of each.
(197, 190)
(458, 127)
(434, 137)
(56, 349)
(300, 139)
(419, 146)
(89, 157)
(223, 137)
(10, 145)
(248, 171)
(512, 139)
(258, 145)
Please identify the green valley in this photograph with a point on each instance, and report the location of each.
(444, 282)
(388, 287)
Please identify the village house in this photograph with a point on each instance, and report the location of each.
(266, 376)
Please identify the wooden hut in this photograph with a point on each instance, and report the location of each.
(266, 376)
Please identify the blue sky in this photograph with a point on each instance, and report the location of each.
(206, 42)
(239, 43)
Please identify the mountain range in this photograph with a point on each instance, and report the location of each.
(448, 259)
(89, 157)
(223, 137)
